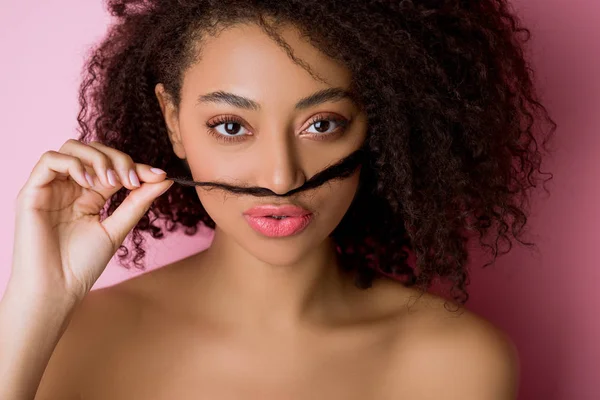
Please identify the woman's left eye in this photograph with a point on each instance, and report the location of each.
(324, 126)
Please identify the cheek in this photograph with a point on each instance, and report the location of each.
(208, 164)
(224, 209)
(336, 199)
(204, 164)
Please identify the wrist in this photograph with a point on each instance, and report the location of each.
(48, 289)
(26, 296)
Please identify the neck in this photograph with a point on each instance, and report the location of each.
(248, 291)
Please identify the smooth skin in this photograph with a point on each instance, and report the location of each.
(250, 317)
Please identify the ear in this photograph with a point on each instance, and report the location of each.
(169, 112)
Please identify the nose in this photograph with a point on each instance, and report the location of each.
(278, 166)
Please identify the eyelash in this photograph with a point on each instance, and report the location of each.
(341, 128)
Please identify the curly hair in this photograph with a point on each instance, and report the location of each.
(449, 96)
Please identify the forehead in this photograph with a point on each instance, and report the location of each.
(245, 60)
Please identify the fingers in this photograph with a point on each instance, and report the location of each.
(130, 174)
(132, 209)
(51, 164)
(113, 167)
(95, 166)
(104, 162)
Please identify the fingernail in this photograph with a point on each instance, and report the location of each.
(157, 171)
(133, 178)
(89, 179)
(112, 177)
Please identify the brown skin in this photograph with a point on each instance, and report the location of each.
(260, 318)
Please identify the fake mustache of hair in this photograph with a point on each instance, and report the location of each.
(342, 169)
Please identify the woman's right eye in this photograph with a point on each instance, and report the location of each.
(227, 129)
(230, 129)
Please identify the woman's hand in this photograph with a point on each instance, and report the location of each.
(60, 245)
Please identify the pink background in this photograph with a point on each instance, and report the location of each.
(546, 302)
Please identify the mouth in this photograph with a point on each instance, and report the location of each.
(278, 221)
(277, 216)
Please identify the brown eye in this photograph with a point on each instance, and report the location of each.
(231, 128)
(321, 126)
(228, 128)
(326, 125)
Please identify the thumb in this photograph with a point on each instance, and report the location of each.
(132, 209)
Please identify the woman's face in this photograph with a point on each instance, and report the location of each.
(271, 144)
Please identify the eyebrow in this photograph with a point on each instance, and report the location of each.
(322, 96)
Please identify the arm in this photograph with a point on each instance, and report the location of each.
(31, 325)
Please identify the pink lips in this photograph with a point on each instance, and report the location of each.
(292, 220)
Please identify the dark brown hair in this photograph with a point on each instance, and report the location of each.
(452, 119)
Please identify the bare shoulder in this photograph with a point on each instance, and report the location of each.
(447, 353)
(101, 318)
(105, 319)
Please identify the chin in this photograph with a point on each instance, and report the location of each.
(282, 252)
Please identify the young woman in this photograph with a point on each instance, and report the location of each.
(322, 141)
